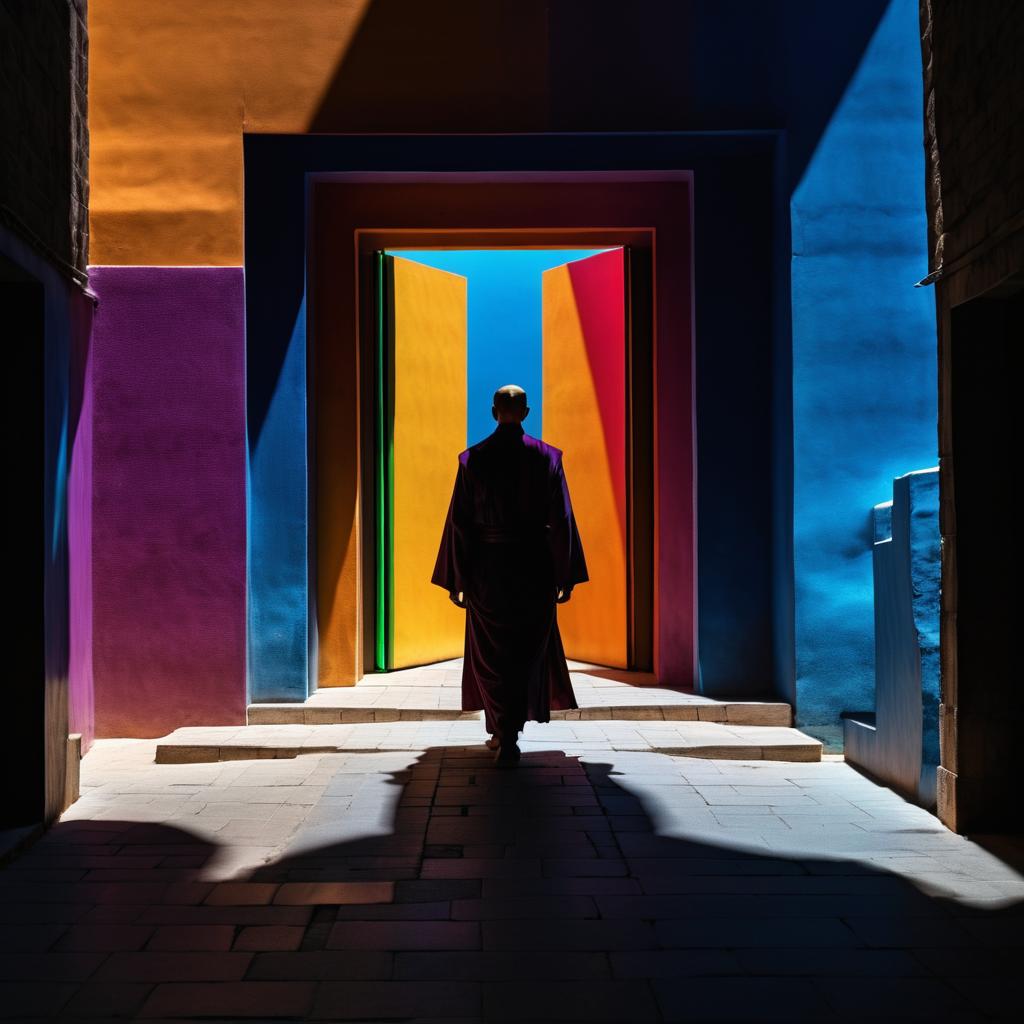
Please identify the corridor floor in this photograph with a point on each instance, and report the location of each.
(428, 886)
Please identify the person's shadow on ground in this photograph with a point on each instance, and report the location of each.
(548, 892)
(453, 891)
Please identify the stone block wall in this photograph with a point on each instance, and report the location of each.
(863, 362)
(974, 121)
(44, 180)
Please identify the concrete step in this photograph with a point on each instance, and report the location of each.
(733, 712)
(688, 739)
(434, 693)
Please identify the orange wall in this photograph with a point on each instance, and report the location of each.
(173, 86)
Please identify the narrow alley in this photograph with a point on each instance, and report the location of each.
(429, 886)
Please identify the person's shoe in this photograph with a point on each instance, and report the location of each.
(508, 754)
(493, 743)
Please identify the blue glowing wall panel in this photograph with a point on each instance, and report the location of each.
(864, 379)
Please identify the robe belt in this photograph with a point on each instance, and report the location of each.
(510, 534)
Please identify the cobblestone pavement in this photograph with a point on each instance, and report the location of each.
(428, 886)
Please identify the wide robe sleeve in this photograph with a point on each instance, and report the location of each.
(566, 547)
(452, 570)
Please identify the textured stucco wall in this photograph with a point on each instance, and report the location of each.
(864, 376)
(174, 85)
(901, 744)
(169, 499)
(79, 510)
(177, 84)
(179, 91)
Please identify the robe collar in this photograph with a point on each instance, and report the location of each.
(509, 430)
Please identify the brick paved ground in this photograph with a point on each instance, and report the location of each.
(427, 886)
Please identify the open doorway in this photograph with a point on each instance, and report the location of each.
(36, 704)
(450, 326)
(981, 694)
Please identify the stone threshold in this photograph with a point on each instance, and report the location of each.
(433, 693)
(685, 739)
(735, 713)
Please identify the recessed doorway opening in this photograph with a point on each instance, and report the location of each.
(311, 392)
(448, 326)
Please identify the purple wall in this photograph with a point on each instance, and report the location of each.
(168, 515)
(80, 429)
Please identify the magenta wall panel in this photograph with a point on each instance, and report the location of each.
(168, 517)
(80, 459)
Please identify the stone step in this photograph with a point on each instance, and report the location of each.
(734, 712)
(434, 693)
(688, 739)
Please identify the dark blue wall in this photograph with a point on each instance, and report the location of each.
(864, 364)
(799, 434)
(737, 199)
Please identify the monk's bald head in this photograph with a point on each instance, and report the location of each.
(510, 404)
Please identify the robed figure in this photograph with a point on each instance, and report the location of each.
(510, 552)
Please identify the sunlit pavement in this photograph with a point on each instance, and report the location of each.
(428, 886)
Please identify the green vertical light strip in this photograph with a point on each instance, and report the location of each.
(382, 496)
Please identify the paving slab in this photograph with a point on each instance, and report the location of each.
(425, 885)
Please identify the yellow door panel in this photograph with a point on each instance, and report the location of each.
(429, 430)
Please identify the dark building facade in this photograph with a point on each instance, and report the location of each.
(44, 190)
(974, 121)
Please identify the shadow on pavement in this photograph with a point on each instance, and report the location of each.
(452, 891)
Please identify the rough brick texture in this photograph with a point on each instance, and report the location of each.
(44, 182)
(974, 143)
(974, 120)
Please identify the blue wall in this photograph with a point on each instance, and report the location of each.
(504, 297)
(864, 363)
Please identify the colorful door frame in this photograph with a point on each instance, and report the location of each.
(282, 174)
(336, 308)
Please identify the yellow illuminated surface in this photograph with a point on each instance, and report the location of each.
(429, 432)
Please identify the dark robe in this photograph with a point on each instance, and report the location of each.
(510, 544)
